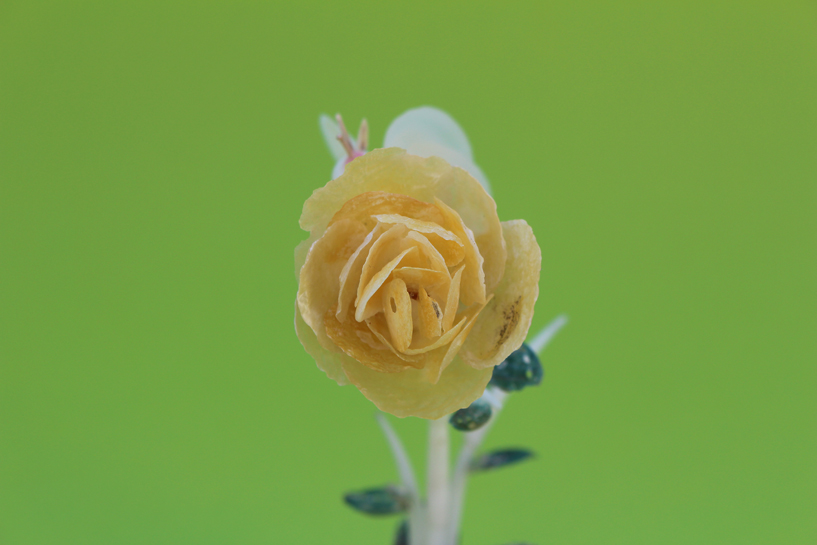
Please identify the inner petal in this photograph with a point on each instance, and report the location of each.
(350, 275)
(447, 243)
(397, 308)
(430, 316)
(473, 282)
(452, 302)
(368, 305)
(435, 282)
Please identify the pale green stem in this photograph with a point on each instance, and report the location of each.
(407, 481)
(438, 486)
(471, 442)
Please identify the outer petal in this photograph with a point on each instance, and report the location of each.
(503, 324)
(330, 363)
(319, 281)
(394, 171)
(409, 394)
(428, 132)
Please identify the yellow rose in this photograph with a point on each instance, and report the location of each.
(410, 287)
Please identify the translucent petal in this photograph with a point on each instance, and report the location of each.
(397, 309)
(330, 362)
(427, 132)
(390, 171)
(407, 393)
(452, 303)
(447, 243)
(435, 282)
(394, 171)
(340, 166)
(472, 289)
(350, 274)
(434, 259)
(368, 305)
(435, 366)
(430, 316)
(356, 340)
(378, 326)
(366, 205)
(478, 211)
(319, 282)
(503, 324)
(440, 341)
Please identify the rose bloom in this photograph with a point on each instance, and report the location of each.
(410, 287)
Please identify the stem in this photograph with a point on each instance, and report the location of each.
(471, 443)
(438, 493)
(541, 340)
(407, 480)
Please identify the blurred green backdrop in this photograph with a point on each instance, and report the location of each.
(154, 158)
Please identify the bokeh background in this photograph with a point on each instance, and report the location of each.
(154, 158)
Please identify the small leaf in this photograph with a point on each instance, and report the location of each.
(402, 536)
(386, 500)
(499, 458)
(519, 370)
(472, 417)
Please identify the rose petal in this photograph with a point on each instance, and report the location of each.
(472, 289)
(436, 365)
(447, 243)
(408, 393)
(366, 205)
(330, 362)
(350, 336)
(504, 323)
(368, 305)
(350, 274)
(430, 316)
(452, 303)
(378, 326)
(319, 282)
(397, 309)
(477, 209)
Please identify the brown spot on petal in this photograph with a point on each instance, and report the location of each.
(510, 315)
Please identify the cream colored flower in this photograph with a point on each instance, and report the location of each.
(410, 287)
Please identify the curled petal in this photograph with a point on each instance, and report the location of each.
(319, 282)
(330, 362)
(503, 324)
(394, 171)
(357, 340)
(473, 279)
(350, 274)
(366, 205)
(446, 242)
(409, 394)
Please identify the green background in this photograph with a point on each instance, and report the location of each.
(154, 158)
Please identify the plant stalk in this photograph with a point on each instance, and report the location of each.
(438, 484)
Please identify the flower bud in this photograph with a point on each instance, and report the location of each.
(522, 368)
(472, 417)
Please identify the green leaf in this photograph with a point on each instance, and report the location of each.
(499, 458)
(386, 500)
(472, 417)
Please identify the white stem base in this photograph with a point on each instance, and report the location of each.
(438, 486)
